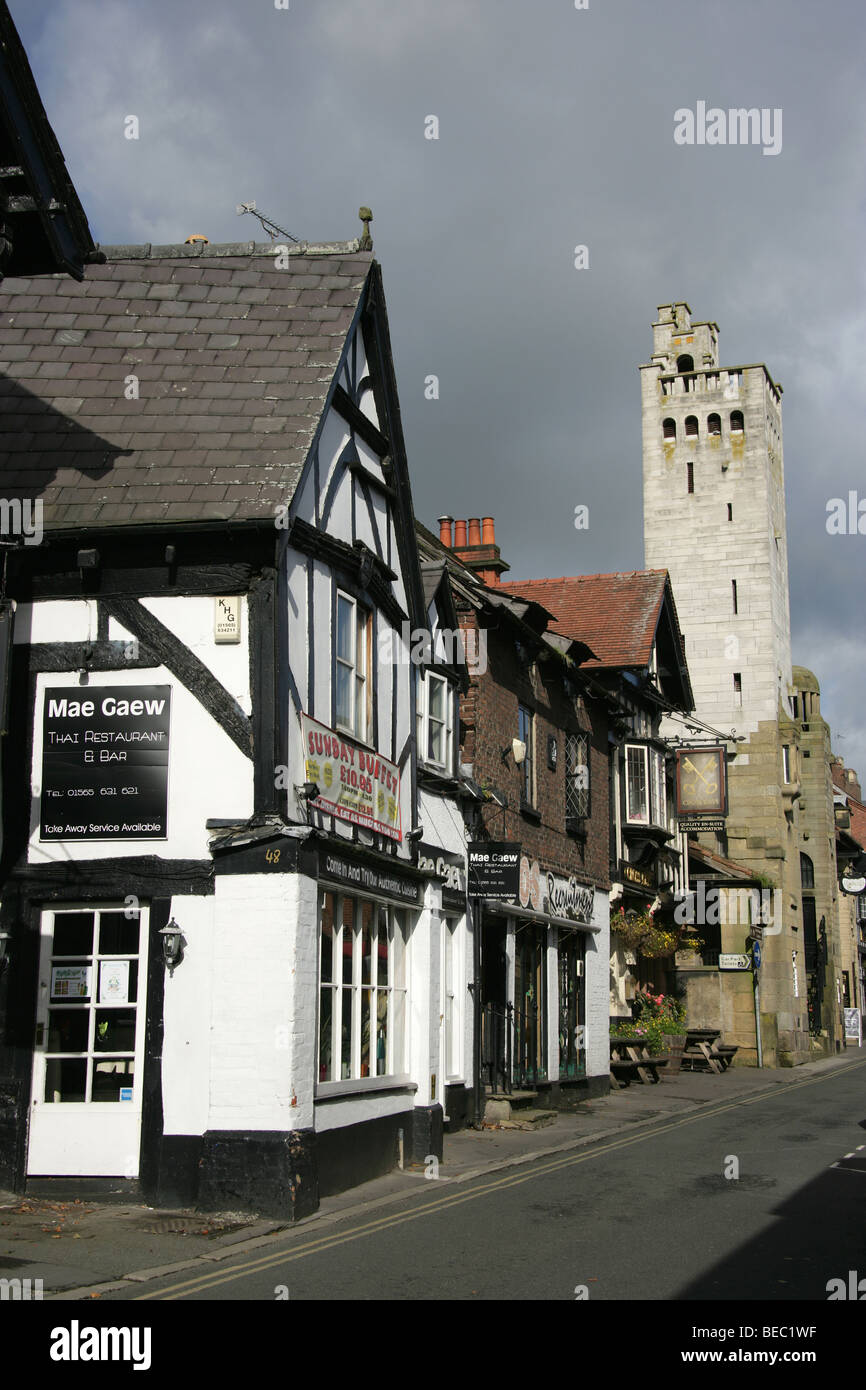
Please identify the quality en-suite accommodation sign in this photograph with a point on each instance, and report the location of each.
(355, 784)
(105, 762)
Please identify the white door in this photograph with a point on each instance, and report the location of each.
(85, 1110)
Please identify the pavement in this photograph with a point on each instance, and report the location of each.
(84, 1248)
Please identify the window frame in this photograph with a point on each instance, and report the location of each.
(577, 761)
(423, 718)
(528, 785)
(396, 990)
(360, 679)
(654, 783)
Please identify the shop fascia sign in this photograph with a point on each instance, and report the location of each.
(550, 893)
(445, 865)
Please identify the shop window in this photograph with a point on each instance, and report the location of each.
(714, 424)
(353, 668)
(691, 427)
(736, 422)
(362, 989)
(669, 429)
(526, 734)
(576, 779)
(434, 704)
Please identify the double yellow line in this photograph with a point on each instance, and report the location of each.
(316, 1245)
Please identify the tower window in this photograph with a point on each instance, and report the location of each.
(736, 422)
(669, 429)
(691, 427)
(734, 594)
(690, 477)
(738, 689)
(714, 424)
(730, 511)
(685, 363)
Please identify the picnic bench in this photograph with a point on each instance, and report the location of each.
(630, 1058)
(704, 1052)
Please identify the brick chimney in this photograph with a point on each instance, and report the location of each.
(479, 551)
(446, 526)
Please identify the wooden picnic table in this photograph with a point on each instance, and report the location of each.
(704, 1050)
(630, 1055)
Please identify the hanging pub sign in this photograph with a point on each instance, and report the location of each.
(355, 784)
(494, 869)
(702, 791)
(105, 762)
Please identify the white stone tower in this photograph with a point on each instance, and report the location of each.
(714, 517)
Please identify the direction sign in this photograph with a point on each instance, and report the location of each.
(756, 955)
(734, 962)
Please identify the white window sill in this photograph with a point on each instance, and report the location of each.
(329, 1090)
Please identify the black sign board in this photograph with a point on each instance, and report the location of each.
(369, 876)
(494, 869)
(105, 762)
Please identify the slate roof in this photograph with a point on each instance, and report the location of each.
(234, 359)
(616, 615)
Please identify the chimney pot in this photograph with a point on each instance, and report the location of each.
(474, 530)
(445, 525)
(488, 533)
(459, 534)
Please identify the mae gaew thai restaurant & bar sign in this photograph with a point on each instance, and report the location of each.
(355, 783)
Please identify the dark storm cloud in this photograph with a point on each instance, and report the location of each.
(556, 128)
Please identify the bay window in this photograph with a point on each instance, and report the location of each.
(434, 704)
(645, 789)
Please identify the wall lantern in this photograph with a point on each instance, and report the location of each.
(517, 751)
(172, 945)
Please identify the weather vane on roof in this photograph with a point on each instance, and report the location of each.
(268, 223)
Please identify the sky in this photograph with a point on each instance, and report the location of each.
(555, 130)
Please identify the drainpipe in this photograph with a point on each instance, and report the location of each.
(475, 909)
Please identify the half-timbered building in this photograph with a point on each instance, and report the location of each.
(222, 885)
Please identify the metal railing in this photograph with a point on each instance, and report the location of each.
(496, 1030)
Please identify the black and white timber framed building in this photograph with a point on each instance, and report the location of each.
(212, 739)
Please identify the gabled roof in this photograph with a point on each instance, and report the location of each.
(615, 614)
(234, 359)
(45, 222)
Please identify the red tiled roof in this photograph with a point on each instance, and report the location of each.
(614, 614)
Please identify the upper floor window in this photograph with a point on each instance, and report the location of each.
(736, 422)
(576, 776)
(685, 363)
(646, 791)
(526, 734)
(786, 763)
(714, 424)
(807, 872)
(691, 427)
(352, 668)
(434, 704)
(690, 477)
(669, 429)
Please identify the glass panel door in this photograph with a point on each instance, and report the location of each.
(86, 1101)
